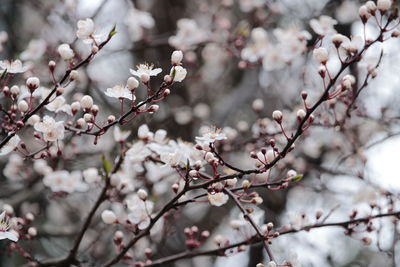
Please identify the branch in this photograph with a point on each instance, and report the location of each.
(221, 251)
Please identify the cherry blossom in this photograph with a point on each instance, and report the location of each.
(64, 181)
(323, 25)
(52, 130)
(218, 199)
(10, 145)
(211, 136)
(120, 92)
(139, 211)
(5, 232)
(145, 69)
(13, 66)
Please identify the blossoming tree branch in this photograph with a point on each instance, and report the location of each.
(141, 172)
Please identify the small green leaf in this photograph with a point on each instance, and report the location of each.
(297, 178)
(113, 31)
(107, 165)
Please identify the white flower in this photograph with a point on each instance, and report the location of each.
(188, 35)
(137, 20)
(120, 136)
(321, 55)
(211, 136)
(258, 46)
(138, 152)
(86, 102)
(65, 52)
(5, 232)
(51, 129)
(217, 199)
(59, 105)
(120, 92)
(108, 217)
(354, 45)
(91, 175)
(13, 66)
(140, 211)
(172, 159)
(384, 5)
(85, 28)
(10, 145)
(323, 26)
(176, 57)
(63, 181)
(145, 69)
(145, 133)
(179, 73)
(35, 50)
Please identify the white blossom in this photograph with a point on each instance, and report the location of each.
(120, 92)
(64, 181)
(59, 105)
(51, 129)
(91, 175)
(10, 145)
(211, 136)
(5, 232)
(120, 136)
(65, 52)
(179, 73)
(323, 26)
(13, 66)
(189, 34)
(137, 20)
(140, 211)
(85, 28)
(145, 69)
(217, 199)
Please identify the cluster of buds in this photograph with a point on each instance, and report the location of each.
(194, 239)
(369, 9)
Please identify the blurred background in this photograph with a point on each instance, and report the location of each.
(345, 167)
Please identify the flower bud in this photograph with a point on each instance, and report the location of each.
(108, 217)
(142, 194)
(14, 90)
(384, 5)
(60, 90)
(94, 110)
(337, 39)
(258, 104)
(23, 106)
(86, 102)
(110, 118)
(145, 78)
(277, 116)
(52, 65)
(176, 57)
(364, 14)
(65, 52)
(321, 55)
(32, 231)
(88, 117)
(73, 75)
(32, 83)
(246, 184)
(75, 107)
(153, 108)
(301, 114)
(80, 123)
(132, 84)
